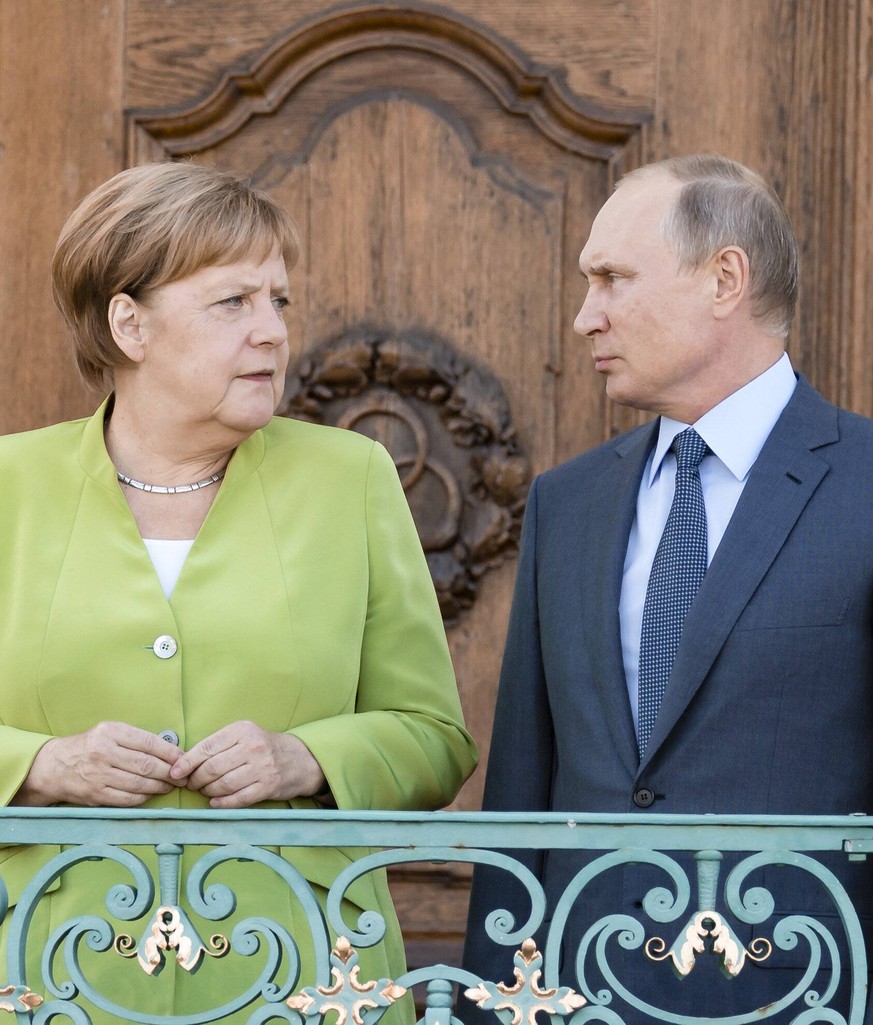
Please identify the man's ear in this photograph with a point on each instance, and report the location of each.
(125, 323)
(731, 267)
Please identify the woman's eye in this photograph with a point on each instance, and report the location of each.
(280, 302)
(232, 300)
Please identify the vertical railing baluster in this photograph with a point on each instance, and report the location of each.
(708, 864)
(438, 1003)
(169, 855)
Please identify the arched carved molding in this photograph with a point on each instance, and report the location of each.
(507, 177)
(521, 87)
(447, 425)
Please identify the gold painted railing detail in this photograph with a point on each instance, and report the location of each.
(21, 995)
(348, 996)
(171, 931)
(527, 998)
(692, 941)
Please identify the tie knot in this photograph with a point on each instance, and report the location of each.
(690, 448)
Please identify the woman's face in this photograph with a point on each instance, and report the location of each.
(215, 346)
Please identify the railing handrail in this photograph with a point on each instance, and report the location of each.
(509, 830)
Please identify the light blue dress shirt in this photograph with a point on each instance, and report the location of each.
(735, 431)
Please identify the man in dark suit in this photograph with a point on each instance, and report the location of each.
(765, 703)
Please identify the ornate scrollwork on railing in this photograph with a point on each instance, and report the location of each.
(447, 424)
(707, 930)
(828, 985)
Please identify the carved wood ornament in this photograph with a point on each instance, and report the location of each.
(446, 423)
(521, 87)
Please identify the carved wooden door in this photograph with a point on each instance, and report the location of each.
(444, 169)
(442, 187)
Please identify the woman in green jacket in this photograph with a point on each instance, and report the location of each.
(202, 605)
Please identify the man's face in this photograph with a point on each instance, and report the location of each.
(650, 324)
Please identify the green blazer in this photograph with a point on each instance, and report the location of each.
(305, 605)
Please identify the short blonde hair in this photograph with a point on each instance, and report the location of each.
(148, 226)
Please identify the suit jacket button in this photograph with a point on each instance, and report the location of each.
(171, 736)
(644, 798)
(165, 646)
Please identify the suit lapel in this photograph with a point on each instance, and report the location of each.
(605, 532)
(782, 481)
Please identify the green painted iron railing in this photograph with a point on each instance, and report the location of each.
(698, 913)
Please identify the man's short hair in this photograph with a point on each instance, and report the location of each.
(723, 203)
(148, 226)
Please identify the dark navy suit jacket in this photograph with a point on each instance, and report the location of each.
(769, 708)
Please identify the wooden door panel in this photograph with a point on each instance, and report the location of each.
(442, 190)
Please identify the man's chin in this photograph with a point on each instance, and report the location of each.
(623, 395)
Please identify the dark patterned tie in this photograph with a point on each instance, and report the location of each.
(677, 571)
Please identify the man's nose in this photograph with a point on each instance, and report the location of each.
(591, 318)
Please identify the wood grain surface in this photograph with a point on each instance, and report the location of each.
(444, 163)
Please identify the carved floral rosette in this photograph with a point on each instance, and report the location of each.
(447, 425)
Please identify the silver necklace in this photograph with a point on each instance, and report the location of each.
(160, 489)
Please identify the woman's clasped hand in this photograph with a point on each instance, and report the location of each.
(120, 766)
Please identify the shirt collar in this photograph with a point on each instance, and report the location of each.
(735, 430)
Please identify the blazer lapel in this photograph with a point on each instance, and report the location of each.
(605, 534)
(782, 481)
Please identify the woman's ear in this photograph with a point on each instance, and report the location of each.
(125, 323)
(732, 280)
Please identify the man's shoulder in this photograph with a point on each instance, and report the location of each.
(819, 422)
(854, 424)
(632, 444)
